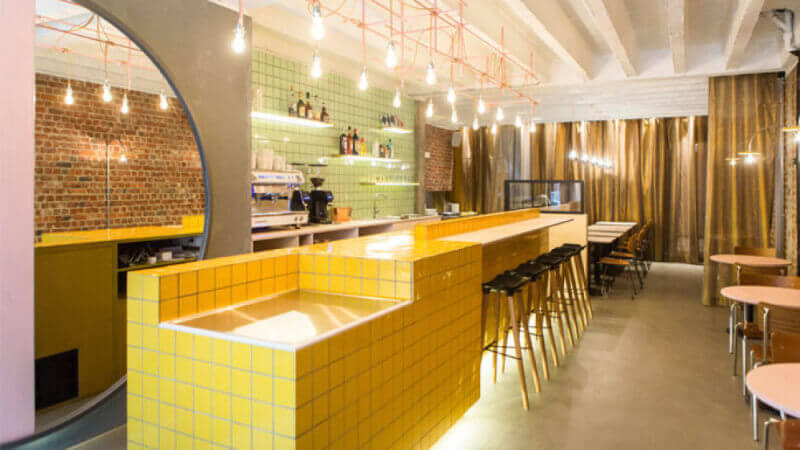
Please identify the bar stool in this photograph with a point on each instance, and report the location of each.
(537, 305)
(580, 270)
(554, 296)
(576, 291)
(510, 285)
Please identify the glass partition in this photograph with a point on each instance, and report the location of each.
(552, 196)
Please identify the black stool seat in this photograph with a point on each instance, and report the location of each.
(507, 283)
(551, 260)
(531, 270)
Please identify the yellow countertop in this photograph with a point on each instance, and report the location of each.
(287, 321)
(118, 235)
(502, 232)
(398, 246)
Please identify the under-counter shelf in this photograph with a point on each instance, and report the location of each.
(157, 264)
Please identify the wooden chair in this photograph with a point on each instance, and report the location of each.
(788, 432)
(755, 251)
(781, 336)
(751, 331)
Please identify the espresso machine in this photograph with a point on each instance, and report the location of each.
(276, 199)
(318, 201)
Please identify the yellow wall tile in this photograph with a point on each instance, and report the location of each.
(240, 355)
(321, 282)
(221, 432)
(241, 437)
(166, 365)
(254, 289)
(187, 283)
(134, 357)
(134, 405)
(281, 265)
(222, 276)
(321, 264)
(202, 374)
(336, 284)
(306, 263)
(222, 297)
(150, 410)
(184, 396)
(184, 422)
(369, 268)
(134, 310)
(202, 428)
(369, 287)
(337, 265)
(150, 337)
(291, 281)
(352, 267)
(241, 382)
(134, 334)
(202, 348)
(284, 364)
(150, 313)
(183, 369)
(169, 310)
(187, 305)
(386, 269)
(221, 378)
(281, 283)
(306, 281)
(150, 386)
(352, 286)
(202, 401)
(205, 301)
(284, 421)
(262, 388)
(268, 268)
(239, 273)
(166, 340)
(285, 392)
(403, 271)
(166, 416)
(262, 416)
(253, 270)
(291, 263)
(205, 280)
(267, 286)
(150, 362)
(168, 287)
(238, 293)
(262, 360)
(221, 405)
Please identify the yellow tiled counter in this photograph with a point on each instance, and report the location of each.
(207, 369)
(397, 377)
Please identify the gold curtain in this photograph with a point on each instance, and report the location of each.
(657, 172)
(739, 197)
(481, 166)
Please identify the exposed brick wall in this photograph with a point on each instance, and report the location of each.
(439, 167)
(161, 181)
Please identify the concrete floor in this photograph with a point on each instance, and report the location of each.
(650, 373)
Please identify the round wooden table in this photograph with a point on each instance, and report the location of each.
(753, 295)
(775, 385)
(751, 261)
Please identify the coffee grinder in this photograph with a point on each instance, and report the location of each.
(318, 202)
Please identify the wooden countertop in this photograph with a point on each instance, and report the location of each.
(117, 235)
(287, 321)
(508, 231)
(324, 228)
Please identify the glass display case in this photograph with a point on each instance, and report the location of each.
(552, 196)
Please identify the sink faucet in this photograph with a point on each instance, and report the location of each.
(378, 196)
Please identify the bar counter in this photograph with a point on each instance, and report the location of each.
(371, 342)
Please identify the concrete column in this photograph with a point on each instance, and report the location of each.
(16, 220)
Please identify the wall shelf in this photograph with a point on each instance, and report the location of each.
(364, 158)
(157, 264)
(387, 183)
(397, 130)
(271, 117)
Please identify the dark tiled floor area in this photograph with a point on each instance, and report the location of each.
(650, 373)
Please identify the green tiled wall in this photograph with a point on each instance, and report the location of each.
(347, 105)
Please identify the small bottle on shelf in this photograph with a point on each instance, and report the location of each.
(356, 142)
(343, 142)
(318, 112)
(301, 106)
(292, 102)
(325, 116)
(349, 141)
(309, 108)
(389, 150)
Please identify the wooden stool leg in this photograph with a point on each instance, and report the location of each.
(564, 307)
(526, 334)
(585, 283)
(573, 299)
(576, 296)
(496, 340)
(513, 318)
(560, 314)
(503, 346)
(584, 293)
(539, 330)
(549, 324)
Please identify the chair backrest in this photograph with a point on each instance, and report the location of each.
(779, 319)
(755, 251)
(762, 279)
(785, 347)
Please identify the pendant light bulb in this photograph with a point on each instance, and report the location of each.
(494, 128)
(391, 55)
(481, 105)
(749, 159)
(106, 92)
(797, 137)
(453, 117)
(396, 101)
(430, 76)
(533, 127)
(499, 115)
(68, 98)
(429, 109)
(573, 155)
(317, 28)
(163, 103)
(362, 81)
(316, 65)
(451, 95)
(124, 109)
(123, 159)
(238, 44)
(518, 122)
(475, 123)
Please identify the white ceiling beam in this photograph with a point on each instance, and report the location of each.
(614, 24)
(550, 23)
(744, 21)
(677, 28)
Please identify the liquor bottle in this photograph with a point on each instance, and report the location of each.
(363, 146)
(292, 102)
(309, 108)
(325, 116)
(389, 150)
(318, 112)
(343, 142)
(349, 141)
(382, 152)
(301, 106)
(356, 142)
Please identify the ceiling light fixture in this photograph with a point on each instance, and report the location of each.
(518, 122)
(750, 159)
(163, 102)
(451, 94)
(123, 159)
(533, 127)
(453, 117)
(430, 75)
(316, 65)
(317, 28)
(68, 98)
(475, 123)
(494, 128)
(238, 45)
(396, 102)
(585, 157)
(429, 109)
(124, 109)
(499, 116)
(573, 155)
(481, 105)
(391, 55)
(362, 80)
(106, 92)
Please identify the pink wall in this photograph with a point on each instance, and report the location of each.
(16, 219)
